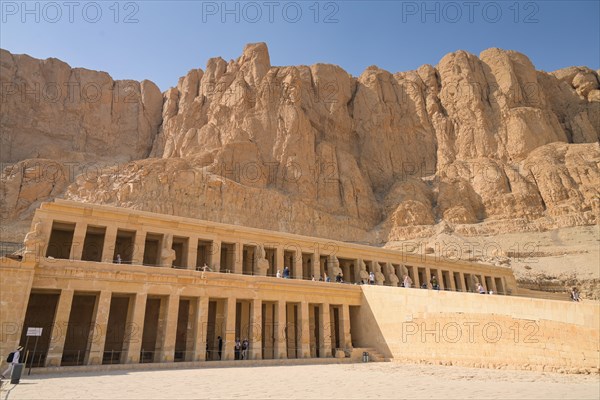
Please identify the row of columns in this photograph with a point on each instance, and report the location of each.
(295, 261)
(167, 328)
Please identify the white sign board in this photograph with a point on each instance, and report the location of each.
(34, 331)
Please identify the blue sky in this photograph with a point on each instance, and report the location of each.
(162, 40)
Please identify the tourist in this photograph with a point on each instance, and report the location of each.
(434, 283)
(371, 278)
(278, 274)
(238, 348)
(118, 260)
(575, 294)
(424, 285)
(313, 278)
(245, 345)
(407, 281)
(339, 278)
(286, 273)
(480, 288)
(15, 360)
(327, 278)
(220, 341)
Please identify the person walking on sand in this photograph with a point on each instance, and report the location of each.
(14, 360)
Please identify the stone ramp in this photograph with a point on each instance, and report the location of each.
(188, 365)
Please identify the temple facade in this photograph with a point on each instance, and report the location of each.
(110, 285)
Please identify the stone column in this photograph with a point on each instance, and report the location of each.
(493, 288)
(427, 276)
(167, 244)
(59, 328)
(169, 329)
(452, 283)
(256, 330)
(325, 331)
(280, 263)
(280, 336)
(135, 327)
(316, 264)
(98, 333)
(201, 329)
(108, 249)
(229, 339)
(139, 246)
(298, 267)
(215, 255)
(238, 261)
(415, 273)
(78, 239)
(345, 321)
(192, 253)
(304, 331)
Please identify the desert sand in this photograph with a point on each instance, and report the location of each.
(337, 381)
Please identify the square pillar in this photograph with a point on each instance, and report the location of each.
(345, 321)
(304, 331)
(494, 288)
(192, 253)
(100, 324)
(280, 336)
(279, 259)
(415, 274)
(229, 337)
(108, 249)
(298, 267)
(78, 239)
(168, 329)
(200, 331)
(256, 330)
(325, 331)
(427, 276)
(238, 261)
(138, 248)
(132, 344)
(316, 272)
(59, 328)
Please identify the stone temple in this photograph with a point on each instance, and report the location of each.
(118, 288)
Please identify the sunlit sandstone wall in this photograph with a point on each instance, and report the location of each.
(478, 330)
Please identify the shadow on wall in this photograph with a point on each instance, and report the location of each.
(365, 330)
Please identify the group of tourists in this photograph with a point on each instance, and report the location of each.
(241, 349)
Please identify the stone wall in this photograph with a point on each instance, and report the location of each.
(478, 330)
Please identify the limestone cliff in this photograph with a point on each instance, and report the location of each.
(481, 145)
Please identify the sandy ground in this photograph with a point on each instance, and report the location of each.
(335, 381)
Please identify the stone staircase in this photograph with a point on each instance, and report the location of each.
(374, 356)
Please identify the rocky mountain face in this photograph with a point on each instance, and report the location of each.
(475, 145)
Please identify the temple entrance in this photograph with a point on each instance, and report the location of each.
(184, 338)
(269, 328)
(152, 247)
(242, 324)
(227, 257)
(270, 255)
(78, 329)
(150, 332)
(289, 260)
(335, 328)
(347, 267)
(499, 285)
(458, 284)
(93, 243)
(204, 255)
(124, 245)
(314, 330)
(115, 329)
(41, 309)
(61, 240)
(215, 329)
(307, 266)
(180, 246)
(422, 278)
(248, 260)
(292, 331)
